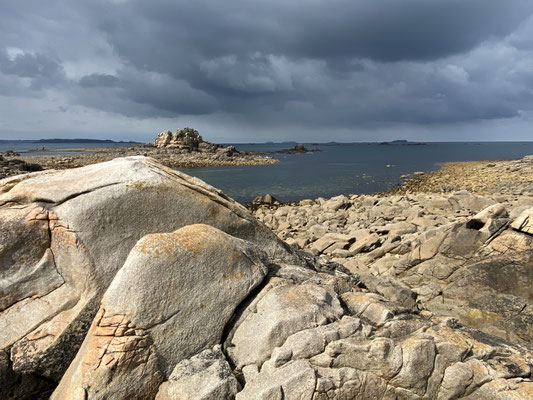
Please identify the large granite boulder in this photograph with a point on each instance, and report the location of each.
(65, 234)
(171, 299)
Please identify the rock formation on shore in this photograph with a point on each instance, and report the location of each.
(477, 268)
(128, 280)
(184, 148)
(464, 255)
(187, 140)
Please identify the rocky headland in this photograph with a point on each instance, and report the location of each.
(184, 148)
(129, 280)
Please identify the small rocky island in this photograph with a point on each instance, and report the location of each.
(184, 148)
(129, 280)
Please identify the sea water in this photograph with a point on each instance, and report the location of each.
(337, 169)
(345, 168)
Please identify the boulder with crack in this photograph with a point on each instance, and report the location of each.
(65, 234)
(170, 300)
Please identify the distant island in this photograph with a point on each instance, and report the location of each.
(81, 141)
(403, 142)
(56, 140)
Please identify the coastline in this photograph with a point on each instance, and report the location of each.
(436, 234)
(168, 157)
(482, 177)
(400, 280)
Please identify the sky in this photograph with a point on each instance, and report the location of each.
(277, 70)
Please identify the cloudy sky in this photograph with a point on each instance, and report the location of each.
(256, 70)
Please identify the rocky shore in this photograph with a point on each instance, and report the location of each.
(454, 250)
(184, 148)
(129, 280)
(513, 177)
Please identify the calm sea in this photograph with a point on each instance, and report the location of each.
(338, 169)
(55, 148)
(346, 168)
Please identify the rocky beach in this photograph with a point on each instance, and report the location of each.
(129, 280)
(184, 148)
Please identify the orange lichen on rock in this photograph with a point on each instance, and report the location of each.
(194, 239)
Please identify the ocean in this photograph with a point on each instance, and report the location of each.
(23, 146)
(357, 168)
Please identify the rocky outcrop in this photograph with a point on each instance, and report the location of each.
(302, 335)
(183, 138)
(187, 139)
(488, 178)
(464, 256)
(127, 280)
(192, 281)
(15, 166)
(64, 236)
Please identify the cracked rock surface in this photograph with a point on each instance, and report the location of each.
(461, 255)
(65, 234)
(131, 281)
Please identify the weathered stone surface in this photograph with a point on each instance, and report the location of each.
(280, 311)
(295, 380)
(65, 234)
(402, 327)
(458, 254)
(404, 355)
(364, 244)
(206, 376)
(493, 211)
(524, 222)
(191, 278)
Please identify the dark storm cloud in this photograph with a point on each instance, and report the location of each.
(98, 80)
(388, 30)
(341, 63)
(43, 70)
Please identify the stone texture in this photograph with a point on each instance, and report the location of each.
(206, 376)
(65, 234)
(461, 254)
(440, 306)
(191, 282)
(295, 380)
(524, 222)
(280, 311)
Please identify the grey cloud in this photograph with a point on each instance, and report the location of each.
(42, 69)
(142, 95)
(387, 30)
(302, 63)
(98, 80)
